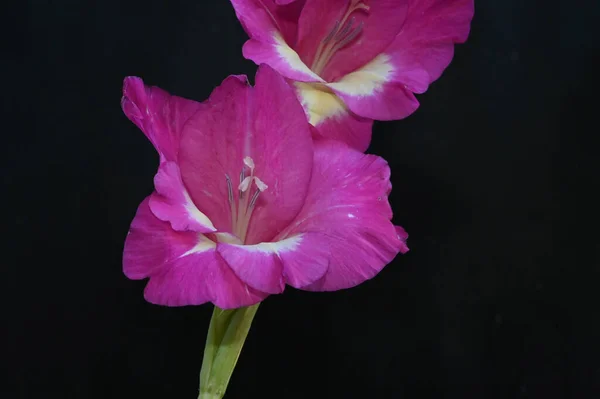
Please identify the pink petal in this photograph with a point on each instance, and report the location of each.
(184, 281)
(380, 25)
(298, 261)
(184, 267)
(331, 117)
(380, 90)
(260, 269)
(256, 17)
(348, 128)
(276, 53)
(199, 278)
(347, 208)
(272, 30)
(158, 114)
(261, 17)
(151, 243)
(209, 142)
(283, 151)
(403, 236)
(308, 263)
(266, 123)
(172, 202)
(383, 89)
(384, 21)
(230, 292)
(315, 22)
(428, 36)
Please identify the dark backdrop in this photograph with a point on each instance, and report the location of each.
(494, 179)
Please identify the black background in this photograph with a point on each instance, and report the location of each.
(494, 179)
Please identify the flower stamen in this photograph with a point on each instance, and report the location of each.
(342, 34)
(242, 211)
(332, 32)
(231, 198)
(253, 200)
(242, 177)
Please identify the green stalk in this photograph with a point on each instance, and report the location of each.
(226, 336)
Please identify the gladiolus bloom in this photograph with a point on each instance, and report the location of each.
(245, 202)
(355, 61)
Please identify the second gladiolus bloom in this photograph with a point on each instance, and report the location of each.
(246, 202)
(355, 61)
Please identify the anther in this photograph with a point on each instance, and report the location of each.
(229, 189)
(260, 184)
(342, 34)
(245, 184)
(345, 29)
(254, 198)
(350, 37)
(332, 32)
(242, 177)
(241, 211)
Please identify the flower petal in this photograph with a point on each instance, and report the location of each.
(172, 203)
(428, 36)
(347, 208)
(260, 18)
(184, 267)
(298, 261)
(308, 263)
(235, 293)
(151, 243)
(256, 265)
(265, 123)
(332, 118)
(403, 236)
(272, 29)
(200, 276)
(158, 114)
(380, 25)
(373, 91)
(315, 22)
(186, 279)
(283, 153)
(383, 89)
(276, 53)
(210, 143)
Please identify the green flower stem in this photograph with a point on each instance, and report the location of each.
(226, 336)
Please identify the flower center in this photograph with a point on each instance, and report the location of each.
(243, 203)
(343, 33)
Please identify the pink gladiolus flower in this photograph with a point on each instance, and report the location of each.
(355, 61)
(245, 202)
